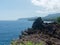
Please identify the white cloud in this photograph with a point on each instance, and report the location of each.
(49, 6)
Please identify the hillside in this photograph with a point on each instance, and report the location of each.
(52, 16)
(40, 34)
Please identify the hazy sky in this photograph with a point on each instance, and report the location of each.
(14, 9)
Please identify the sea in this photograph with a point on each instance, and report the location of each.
(10, 30)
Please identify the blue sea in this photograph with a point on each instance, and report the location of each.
(10, 30)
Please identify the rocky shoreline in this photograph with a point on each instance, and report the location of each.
(49, 34)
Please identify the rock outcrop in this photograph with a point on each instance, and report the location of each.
(49, 34)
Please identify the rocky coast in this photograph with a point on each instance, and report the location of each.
(40, 34)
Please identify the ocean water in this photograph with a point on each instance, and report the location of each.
(10, 30)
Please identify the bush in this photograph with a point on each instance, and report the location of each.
(58, 19)
(32, 43)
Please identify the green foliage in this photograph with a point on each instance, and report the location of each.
(13, 43)
(21, 44)
(58, 19)
(27, 43)
(41, 43)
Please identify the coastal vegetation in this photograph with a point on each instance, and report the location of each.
(28, 43)
(40, 34)
(58, 19)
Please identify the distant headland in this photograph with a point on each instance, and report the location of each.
(49, 17)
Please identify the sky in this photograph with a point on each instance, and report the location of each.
(15, 9)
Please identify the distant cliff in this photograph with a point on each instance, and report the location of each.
(50, 17)
(53, 15)
(28, 19)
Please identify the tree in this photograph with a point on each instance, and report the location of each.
(58, 19)
(38, 23)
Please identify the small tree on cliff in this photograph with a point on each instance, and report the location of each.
(38, 24)
(58, 19)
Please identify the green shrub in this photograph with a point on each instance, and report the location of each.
(58, 19)
(32, 43)
(27, 43)
(13, 43)
(41, 43)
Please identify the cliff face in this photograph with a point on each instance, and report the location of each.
(50, 35)
(47, 34)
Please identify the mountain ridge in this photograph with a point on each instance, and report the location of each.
(50, 17)
(53, 15)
